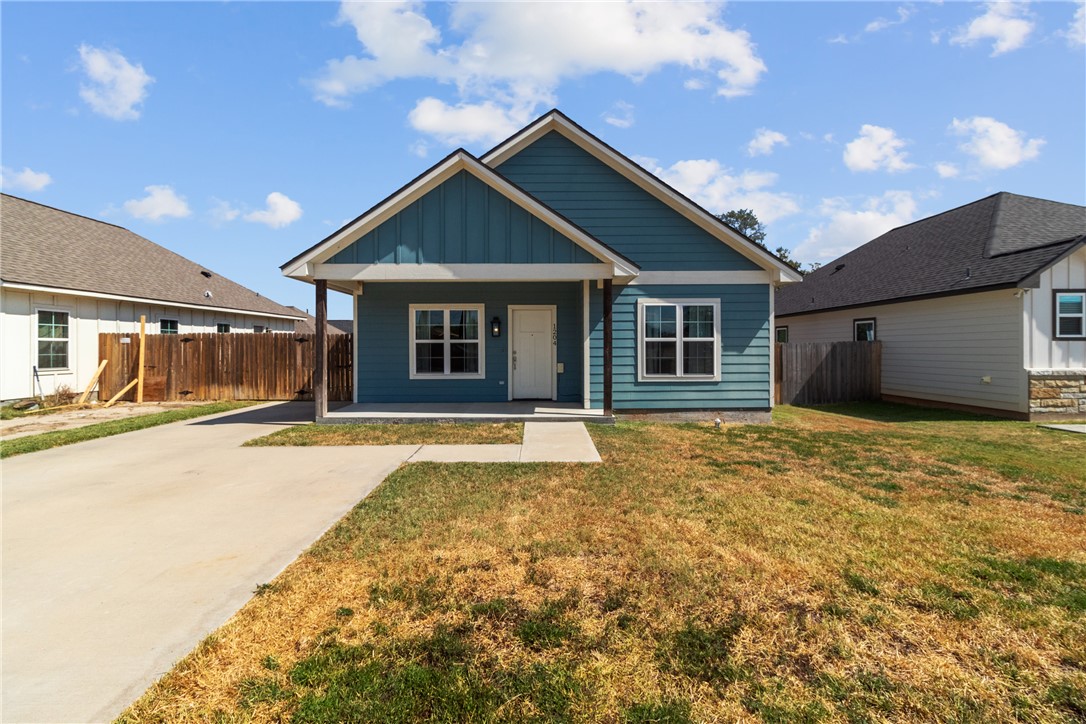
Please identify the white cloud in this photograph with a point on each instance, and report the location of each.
(280, 211)
(847, 226)
(115, 87)
(839, 39)
(419, 148)
(515, 55)
(222, 212)
(903, 14)
(1075, 34)
(876, 148)
(466, 122)
(995, 144)
(764, 140)
(1007, 24)
(946, 169)
(620, 115)
(717, 189)
(25, 180)
(693, 84)
(161, 202)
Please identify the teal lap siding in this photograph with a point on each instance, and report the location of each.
(616, 211)
(745, 351)
(463, 221)
(383, 352)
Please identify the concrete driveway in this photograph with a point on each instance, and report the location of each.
(121, 554)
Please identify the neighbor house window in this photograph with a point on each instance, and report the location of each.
(679, 339)
(222, 328)
(167, 326)
(52, 340)
(1070, 314)
(863, 330)
(446, 341)
(259, 329)
(782, 335)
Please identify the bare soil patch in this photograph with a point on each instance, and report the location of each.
(33, 424)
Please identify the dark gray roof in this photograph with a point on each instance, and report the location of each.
(332, 326)
(48, 247)
(998, 241)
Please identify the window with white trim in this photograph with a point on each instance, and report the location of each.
(863, 330)
(260, 328)
(782, 335)
(1070, 313)
(222, 328)
(446, 341)
(167, 326)
(678, 339)
(52, 339)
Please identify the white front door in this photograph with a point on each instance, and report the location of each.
(533, 353)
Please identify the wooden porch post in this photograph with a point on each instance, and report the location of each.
(320, 352)
(607, 338)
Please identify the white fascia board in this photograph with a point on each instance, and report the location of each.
(303, 268)
(143, 300)
(462, 272)
(354, 231)
(644, 180)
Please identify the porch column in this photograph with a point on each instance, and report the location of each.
(607, 399)
(320, 351)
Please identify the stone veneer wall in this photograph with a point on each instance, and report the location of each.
(1057, 392)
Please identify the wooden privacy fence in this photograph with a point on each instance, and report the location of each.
(818, 373)
(223, 366)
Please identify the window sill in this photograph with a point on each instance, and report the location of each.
(676, 378)
(416, 376)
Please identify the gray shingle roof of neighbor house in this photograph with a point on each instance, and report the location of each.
(43, 246)
(332, 326)
(999, 241)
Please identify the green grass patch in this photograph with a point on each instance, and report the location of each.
(774, 572)
(58, 438)
(504, 433)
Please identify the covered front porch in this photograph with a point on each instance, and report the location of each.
(463, 412)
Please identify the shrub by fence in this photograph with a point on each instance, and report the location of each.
(223, 366)
(818, 373)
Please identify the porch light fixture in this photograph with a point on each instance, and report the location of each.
(495, 327)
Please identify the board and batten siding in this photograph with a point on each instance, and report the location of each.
(745, 350)
(463, 221)
(616, 211)
(938, 349)
(1042, 350)
(382, 369)
(88, 317)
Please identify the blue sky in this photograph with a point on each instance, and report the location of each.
(238, 134)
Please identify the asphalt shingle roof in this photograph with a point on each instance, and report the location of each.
(997, 241)
(47, 247)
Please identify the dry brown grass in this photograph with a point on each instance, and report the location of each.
(838, 567)
(406, 434)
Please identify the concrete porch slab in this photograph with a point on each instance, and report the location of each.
(454, 412)
(1068, 428)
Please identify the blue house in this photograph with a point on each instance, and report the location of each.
(553, 269)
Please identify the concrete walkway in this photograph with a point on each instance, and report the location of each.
(121, 554)
(1074, 427)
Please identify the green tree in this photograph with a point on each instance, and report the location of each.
(746, 222)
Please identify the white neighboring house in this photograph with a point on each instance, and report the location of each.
(65, 278)
(982, 307)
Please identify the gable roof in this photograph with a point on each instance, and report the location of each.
(1000, 241)
(555, 120)
(47, 247)
(457, 161)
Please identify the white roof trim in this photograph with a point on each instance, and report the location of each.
(649, 183)
(143, 300)
(302, 266)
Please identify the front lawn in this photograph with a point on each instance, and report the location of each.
(862, 563)
(406, 434)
